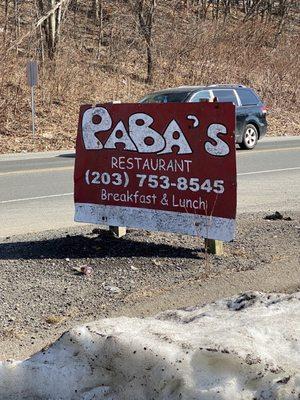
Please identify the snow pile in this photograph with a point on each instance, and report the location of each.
(243, 348)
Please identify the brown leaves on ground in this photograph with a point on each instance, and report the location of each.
(189, 48)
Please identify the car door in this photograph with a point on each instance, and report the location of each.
(228, 96)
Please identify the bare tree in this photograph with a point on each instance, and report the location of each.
(97, 10)
(144, 10)
(6, 20)
(96, 5)
(52, 23)
(215, 9)
(283, 10)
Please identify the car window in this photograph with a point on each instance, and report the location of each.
(225, 95)
(203, 94)
(247, 97)
(171, 97)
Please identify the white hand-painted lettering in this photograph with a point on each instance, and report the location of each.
(140, 131)
(150, 164)
(142, 138)
(124, 139)
(220, 148)
(90, 126)
(180, 141)
(195, 119)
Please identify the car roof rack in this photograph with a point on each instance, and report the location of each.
(189, 87)
(227, 85)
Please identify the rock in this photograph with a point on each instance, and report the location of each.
(276, 215)
(47, 135)
(86, 270)
(83, 270)
(112, 289)
(246, 347)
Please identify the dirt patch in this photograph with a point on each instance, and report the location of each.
(42, 293)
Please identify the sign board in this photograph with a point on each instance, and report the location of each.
(164, 167)
(32, 73)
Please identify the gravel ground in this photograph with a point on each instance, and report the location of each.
(43, 293)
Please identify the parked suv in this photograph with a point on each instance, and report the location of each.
(251, 123)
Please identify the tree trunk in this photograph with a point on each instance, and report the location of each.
(149, 64)
(6, 20)
(144, 11)
(51, 23)
(95, 9)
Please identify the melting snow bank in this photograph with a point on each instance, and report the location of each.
(246, 347)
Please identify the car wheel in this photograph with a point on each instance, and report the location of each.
(250, 137)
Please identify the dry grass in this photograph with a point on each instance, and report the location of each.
(13, 333)
(186, 51)
(55, 319)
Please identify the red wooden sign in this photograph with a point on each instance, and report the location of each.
(166, 167)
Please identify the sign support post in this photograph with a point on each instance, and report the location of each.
(118, 231)
(33, 111)
(32, 78)
(214, 247)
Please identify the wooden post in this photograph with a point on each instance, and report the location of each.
(214, 247)
(118, 231)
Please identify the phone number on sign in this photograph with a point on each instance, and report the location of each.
(155, 181)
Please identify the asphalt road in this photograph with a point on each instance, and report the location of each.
(36, 189)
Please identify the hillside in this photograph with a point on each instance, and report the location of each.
(99, 54)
